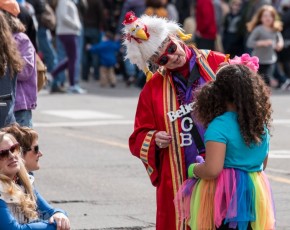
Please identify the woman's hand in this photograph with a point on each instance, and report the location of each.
(162, 139)
(61, 220)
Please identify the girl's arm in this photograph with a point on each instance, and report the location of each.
(214, 161)
(44, 208)
(280, 42)
(7, 221)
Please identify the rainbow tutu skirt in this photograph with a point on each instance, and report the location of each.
(235, 197)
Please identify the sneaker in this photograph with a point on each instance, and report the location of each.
(76, 89)
(57, 89)
(286, 85)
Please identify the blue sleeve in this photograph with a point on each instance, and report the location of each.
(216, 131)
(44, 209)
(98, 48)
(8, 222)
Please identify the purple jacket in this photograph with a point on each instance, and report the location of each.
(26, 89)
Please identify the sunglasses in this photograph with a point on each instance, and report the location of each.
(6, 152)
(170, 49)
(35, 149)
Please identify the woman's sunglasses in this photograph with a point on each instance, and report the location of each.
(6, 152)
(170, 49)
(34, 148)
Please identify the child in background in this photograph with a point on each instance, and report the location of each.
(265, 39)
(230, 190)
(232, 37)
(107, 51)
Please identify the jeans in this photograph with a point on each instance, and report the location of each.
(91, 36)
(46, 48)
(24, 118)
(60, 78)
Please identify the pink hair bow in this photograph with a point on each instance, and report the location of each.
(251, 62)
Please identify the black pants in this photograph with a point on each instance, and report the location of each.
(266, 71)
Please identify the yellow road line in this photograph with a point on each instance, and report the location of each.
(279, 179)
(99, 140)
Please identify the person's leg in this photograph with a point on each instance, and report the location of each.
(61, 55)
(85, 57)
(80, 47)
(60, 67)
(70, 45)
(112, 76)
(264, 72)
(24, 117)
(46, 48)
(91, 36)
(103, 76)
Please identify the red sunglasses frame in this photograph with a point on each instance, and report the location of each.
(172, 45)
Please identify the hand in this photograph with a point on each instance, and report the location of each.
(61, 220)
(162, 139)
(279, 46)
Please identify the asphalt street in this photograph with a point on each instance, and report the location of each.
(87, 169)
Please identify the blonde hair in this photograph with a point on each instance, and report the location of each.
(256, 19)
(27, 199)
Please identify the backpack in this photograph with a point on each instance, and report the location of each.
(41, 73)
(48, 18)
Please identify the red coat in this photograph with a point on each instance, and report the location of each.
(166, 167)
(205, 19)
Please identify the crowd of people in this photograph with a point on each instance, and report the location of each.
(194, 79)
(61, 31)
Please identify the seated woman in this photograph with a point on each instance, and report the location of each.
(21, 207)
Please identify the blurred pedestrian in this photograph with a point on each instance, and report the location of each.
(284, 57)
(26, 88)
(232, 38)
(10, 64)
(266, 39)
(107, 52)
(68, 29)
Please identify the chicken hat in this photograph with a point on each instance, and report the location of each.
(144, 36)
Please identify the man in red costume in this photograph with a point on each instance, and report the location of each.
(165, 136)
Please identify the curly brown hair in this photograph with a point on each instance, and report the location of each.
(10, 57)
(246, 91)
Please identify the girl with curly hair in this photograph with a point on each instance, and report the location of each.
(229, 190)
